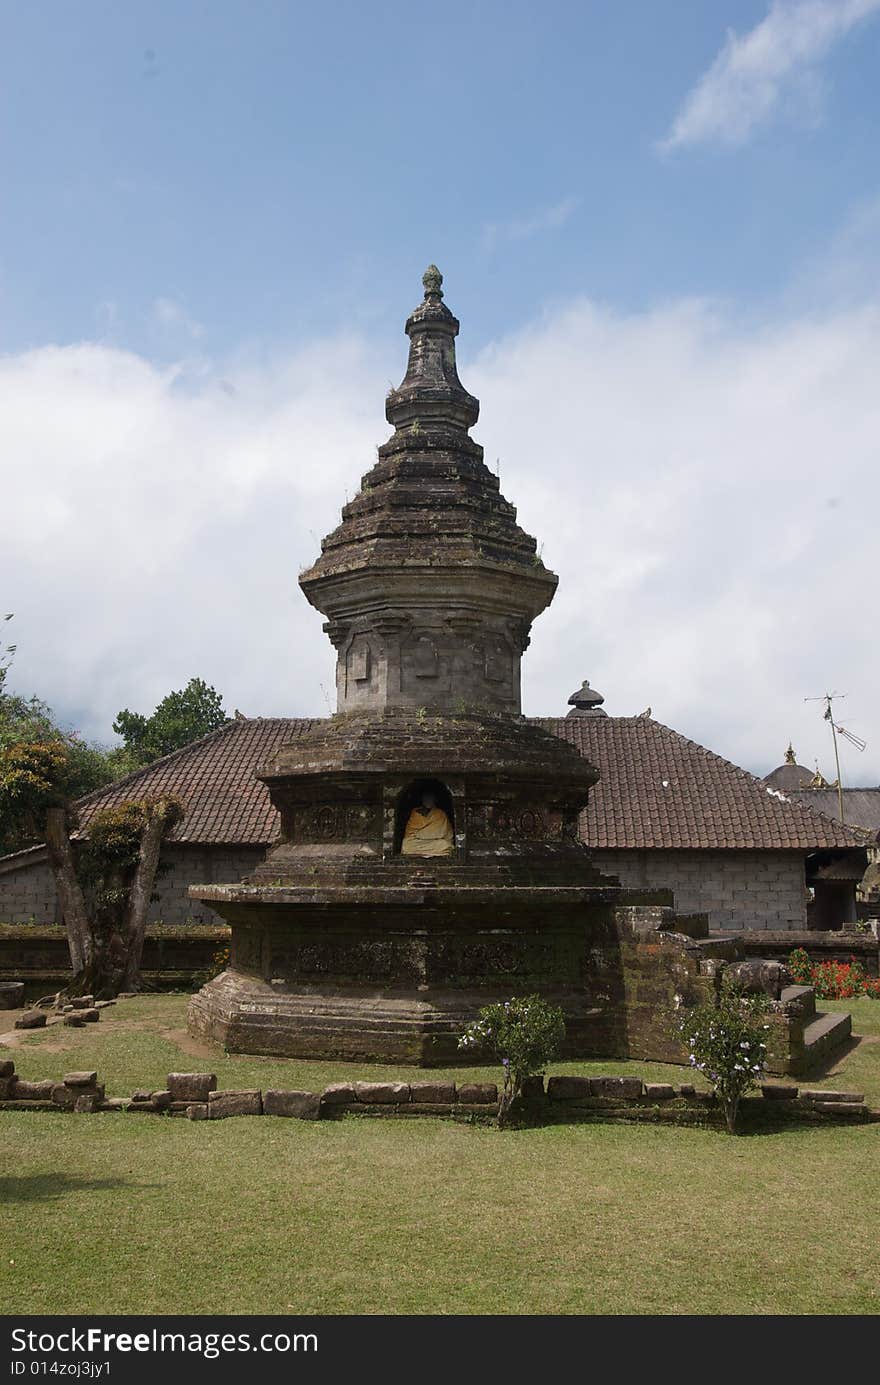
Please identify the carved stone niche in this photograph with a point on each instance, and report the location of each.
(497, 661)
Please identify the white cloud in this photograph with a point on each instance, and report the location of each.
(756, 72)
(168, 313)
(524, 227)
(707, 492)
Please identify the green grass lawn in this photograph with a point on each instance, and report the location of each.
(128, 1214)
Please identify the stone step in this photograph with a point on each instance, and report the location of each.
(804, 997)
(824, 1035)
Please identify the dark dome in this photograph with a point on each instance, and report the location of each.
(789, 776)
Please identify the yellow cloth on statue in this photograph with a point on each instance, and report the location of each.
(427, 834)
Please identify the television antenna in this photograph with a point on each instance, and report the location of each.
(837, 730)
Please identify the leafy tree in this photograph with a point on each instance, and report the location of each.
(40, 764)
(180, 717)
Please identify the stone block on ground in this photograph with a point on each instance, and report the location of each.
(245, 1103)
(659, 1091)
(11, 994)
(162, 1100)
(778, 1091)
(87, 1102)
(304, 1105)
(31, 1019)
(839, 1108)
(816, 1094)
(141, 1094)
(90, 1016)
(438, 1093)
(32, 1091)
(82, 1002)
(191, 1086)
(114, 1103)
(75, 1019)
(381, 1092)
(7, 1068)
(569, 1088)
(478, 1093)
(5, 1088)
(338, 1094)
(686, 1089)
(616, 1086)
(197, 1111)
(144, 1107)
(80, 1079)
(103, 1004)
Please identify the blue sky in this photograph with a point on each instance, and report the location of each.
(204, 201)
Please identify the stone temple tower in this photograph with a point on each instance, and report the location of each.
(429, 585)
(428, 857)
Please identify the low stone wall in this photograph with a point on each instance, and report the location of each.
(822, 947)
(174, 957)
(562, 1099)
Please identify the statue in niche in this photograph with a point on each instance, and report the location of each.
(428, 831)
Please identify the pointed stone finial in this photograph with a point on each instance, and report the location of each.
(790, 757)
(432, 280)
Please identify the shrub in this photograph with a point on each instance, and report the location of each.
(833, 980)
(525, 1033)
(726, 1042)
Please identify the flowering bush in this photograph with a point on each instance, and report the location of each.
(833, 980)
(525, 1033)
(726, 1042)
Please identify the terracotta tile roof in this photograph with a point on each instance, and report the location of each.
(658, 790)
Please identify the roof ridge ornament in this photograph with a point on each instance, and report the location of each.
(432, 280)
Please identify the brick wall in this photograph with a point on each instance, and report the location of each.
(27, 891)
(737, 889)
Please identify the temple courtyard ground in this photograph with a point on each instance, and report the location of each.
(118, 1213)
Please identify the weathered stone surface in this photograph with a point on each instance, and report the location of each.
(438, 1092)
(75, 1019)
(143, 1107)
(191, 1086)
(197, 1111)
(659, 1091)
(80, 1079)
(32, 1091)
(11, 994)
(90, 1016)
(817, 1094)
(86, 1102)
(305, 1105)
(616, 1086)
(338, 1094)
(569, 1088)
(477, 1093)
(686, 1089)
(380, 1092)
(839, 1108)
(161, 1099)
(141, 1094)
(114, 1103)
(778, 1091)
(5, 1088)
(7, 1067)
(82, 1002)
(245, 1103)
(103, 1004)
(31, 1019)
